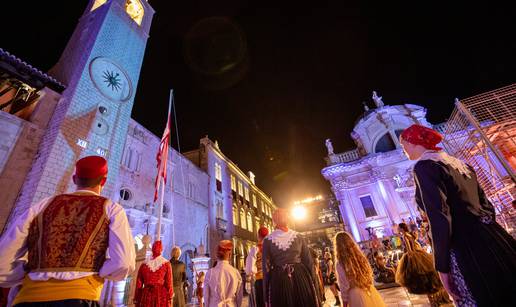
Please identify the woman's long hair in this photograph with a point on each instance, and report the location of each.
(353, 261)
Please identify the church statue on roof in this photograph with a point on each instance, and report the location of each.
(377, 100)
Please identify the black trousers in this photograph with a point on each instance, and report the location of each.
(258, 290)
(63, 303)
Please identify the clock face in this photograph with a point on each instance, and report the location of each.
(110, 79)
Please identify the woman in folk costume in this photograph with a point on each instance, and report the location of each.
(223, 284)
(154, 283)
(178, 277)
(253, 269)
(416, 271)
(287, 267)
(354, 274)
(474, 255)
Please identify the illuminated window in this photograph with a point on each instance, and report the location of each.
(257, 224)
(97, 4)
(240, 189)
(249, 222)
(233, 183)
(255, 203)
(218, 172)
(218, 176)
(235, 215)
(246, 193)
(367, 204)
(134, 9)
(242, 219)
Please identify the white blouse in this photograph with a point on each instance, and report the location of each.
(343, 282)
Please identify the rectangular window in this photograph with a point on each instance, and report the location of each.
(233, 183)
(218, 176)
(235, 215)
(255, 203)
(246, 193)
(240, 189)
(218, 172)
(367, 204)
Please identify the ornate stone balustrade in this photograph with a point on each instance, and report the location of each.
(348, 156)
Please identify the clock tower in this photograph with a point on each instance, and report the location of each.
(100, 67)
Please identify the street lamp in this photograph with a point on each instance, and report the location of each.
(299, 212)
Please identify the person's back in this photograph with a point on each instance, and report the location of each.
(223, 283)
(67, 238)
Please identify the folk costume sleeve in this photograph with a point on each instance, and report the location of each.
(139, 286)
(240, 290)
(430, 185)
(343, 282)
(168, 280)
(206, 289)
(266, 263)
(250, 263)
(13, 247)
(121, 250)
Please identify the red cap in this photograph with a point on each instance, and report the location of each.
(263, 232)
(91, 167)
(424, 136)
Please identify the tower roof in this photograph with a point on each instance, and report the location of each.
(27, 73)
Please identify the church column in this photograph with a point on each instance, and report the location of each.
(347, 213)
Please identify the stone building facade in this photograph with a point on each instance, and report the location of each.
(373, 182)
(185, 210)
(237, 206)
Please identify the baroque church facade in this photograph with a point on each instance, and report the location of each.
(373, 182)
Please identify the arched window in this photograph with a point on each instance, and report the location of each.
(242, 219)
(134, 9)
(249, 222)
(385, 144)
(235, 215)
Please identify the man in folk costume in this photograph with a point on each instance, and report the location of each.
(154, 284)
(223, 283)
(74, 241)
(253, 268)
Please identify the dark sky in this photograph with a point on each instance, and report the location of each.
(271, 80)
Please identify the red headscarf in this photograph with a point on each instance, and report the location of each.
(280, 218)
(263, 232)
(424, 136)
(157, 248)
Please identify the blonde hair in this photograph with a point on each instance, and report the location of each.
(175, 253)
(353, 261)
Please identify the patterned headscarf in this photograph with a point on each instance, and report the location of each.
(157, 248)
(224, 246)
(424, 136)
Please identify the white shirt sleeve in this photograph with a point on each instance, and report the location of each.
(250, 263)
(13, 246)
(343, 282)
(121, 250)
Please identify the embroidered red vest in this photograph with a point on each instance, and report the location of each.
(70, 234)
(259, 271)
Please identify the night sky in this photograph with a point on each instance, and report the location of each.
(271, 80)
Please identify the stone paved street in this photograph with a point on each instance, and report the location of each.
(393, 297)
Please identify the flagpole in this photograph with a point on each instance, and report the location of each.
(171, 104)
(160, 210)
(162, 180)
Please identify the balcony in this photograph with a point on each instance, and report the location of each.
(222, 224)
(345, 157)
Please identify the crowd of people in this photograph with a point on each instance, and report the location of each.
(60, 251)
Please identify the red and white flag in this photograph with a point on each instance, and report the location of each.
(162, 157)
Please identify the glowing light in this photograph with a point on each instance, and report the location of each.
(135, 10)
(299, 212)
(309, 200)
